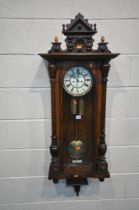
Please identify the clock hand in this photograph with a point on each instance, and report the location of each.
(74, 76)
(76, 83)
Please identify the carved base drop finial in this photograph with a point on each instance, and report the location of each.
(77, 189)
(76, 183)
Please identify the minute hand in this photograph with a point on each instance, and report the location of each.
(77, 80)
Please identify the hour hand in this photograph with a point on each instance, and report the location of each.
(74, 76)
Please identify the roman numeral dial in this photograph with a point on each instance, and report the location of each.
(77, 81)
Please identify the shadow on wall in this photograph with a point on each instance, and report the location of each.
(114, 94)
(40, 89)
(94, 190)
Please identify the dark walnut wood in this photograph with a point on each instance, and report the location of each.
(79, 34)
(91, 127)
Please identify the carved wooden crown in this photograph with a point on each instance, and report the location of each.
(79, 34)
(79, 37)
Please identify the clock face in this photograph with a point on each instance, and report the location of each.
(77, 81)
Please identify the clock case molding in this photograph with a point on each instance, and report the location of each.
(79, 52)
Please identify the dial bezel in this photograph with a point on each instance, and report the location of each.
(79, 94)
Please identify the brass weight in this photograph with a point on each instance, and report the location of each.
(81, 107)
(77, 106)
(74, 105)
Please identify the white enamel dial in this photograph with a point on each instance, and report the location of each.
(77, 81)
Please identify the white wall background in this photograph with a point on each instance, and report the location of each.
(26, 29)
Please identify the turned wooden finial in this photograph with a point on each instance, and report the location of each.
(56, 39)
(102, 39)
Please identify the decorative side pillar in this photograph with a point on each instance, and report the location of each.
(102, 165)
(54, 149)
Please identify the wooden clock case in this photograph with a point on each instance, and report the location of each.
(91, 127)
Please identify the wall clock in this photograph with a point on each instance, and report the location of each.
(78, 77)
